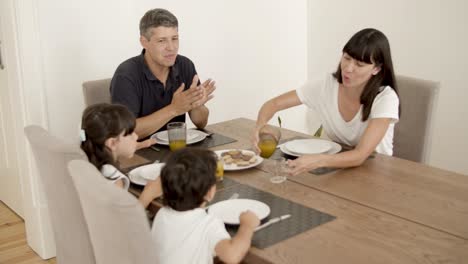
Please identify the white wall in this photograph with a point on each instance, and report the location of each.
(428, 41)
(258, 49)
(253, 49)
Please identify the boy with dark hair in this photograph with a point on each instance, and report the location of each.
(182, 230)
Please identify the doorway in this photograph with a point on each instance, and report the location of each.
(10, 181)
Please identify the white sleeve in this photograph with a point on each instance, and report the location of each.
(385, 105)
(311, 92)
(217, 232)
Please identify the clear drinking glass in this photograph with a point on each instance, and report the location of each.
(269, 137)
(280, 171)
(177, 133)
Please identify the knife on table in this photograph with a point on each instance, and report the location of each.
(272, 221)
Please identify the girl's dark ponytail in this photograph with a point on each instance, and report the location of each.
(97, 155)
(99, 123)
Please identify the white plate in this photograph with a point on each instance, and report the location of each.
(334, 149)
(141, 174)
(234, 167)
(193, 136)
(163, 136)
(308, 146)
(230, 210)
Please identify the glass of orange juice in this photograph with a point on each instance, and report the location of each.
(269, 137)
(177, 133)
(220, 169)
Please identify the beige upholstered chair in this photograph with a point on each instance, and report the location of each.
(72, 241)
(117, 222)
(418, 99)
(98, 91)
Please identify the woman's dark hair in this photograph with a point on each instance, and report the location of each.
(371, 46)
(187, 177)
(100, 122)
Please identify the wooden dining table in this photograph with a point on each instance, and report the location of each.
(388, 210)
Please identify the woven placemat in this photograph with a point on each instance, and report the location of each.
(163, 151)
(302, 218)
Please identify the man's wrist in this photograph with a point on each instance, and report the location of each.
(172, 110)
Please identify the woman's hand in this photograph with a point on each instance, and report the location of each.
(254, 138)
(306, 163)
(269, 108)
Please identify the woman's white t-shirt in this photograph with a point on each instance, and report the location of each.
(322, 97)
(113, 174)
(187, 237)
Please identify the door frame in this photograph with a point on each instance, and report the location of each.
(27, 89)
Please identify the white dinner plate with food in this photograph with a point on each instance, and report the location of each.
(142, 174)
(238, 159)
(193, 136)
(335, 148)
(308, 146)
(230, 210)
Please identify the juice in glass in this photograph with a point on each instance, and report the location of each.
(177, 133)
(177, 144)
(268, 139)
(220, 169)
(267, 147)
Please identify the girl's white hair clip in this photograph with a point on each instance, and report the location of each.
(82, 135)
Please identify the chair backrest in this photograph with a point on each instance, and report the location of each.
(119, 228)
(97, 91)
(72, 241)
(418, 99)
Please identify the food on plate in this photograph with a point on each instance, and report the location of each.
(238, 157)
(242, 163)
(228, 160)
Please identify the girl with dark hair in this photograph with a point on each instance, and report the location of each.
(358, 105)
(107, 135)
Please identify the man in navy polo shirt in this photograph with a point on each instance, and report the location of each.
(159, 86)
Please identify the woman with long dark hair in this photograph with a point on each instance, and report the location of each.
(358, 105)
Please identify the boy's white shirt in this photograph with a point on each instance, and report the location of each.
(187, 237)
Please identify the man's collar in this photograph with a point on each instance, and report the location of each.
(173, 70)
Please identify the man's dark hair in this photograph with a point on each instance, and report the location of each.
(157, 17)
(187, 177)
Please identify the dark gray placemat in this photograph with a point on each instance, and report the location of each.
(302, 218)
(214, 140)
(211, 141)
